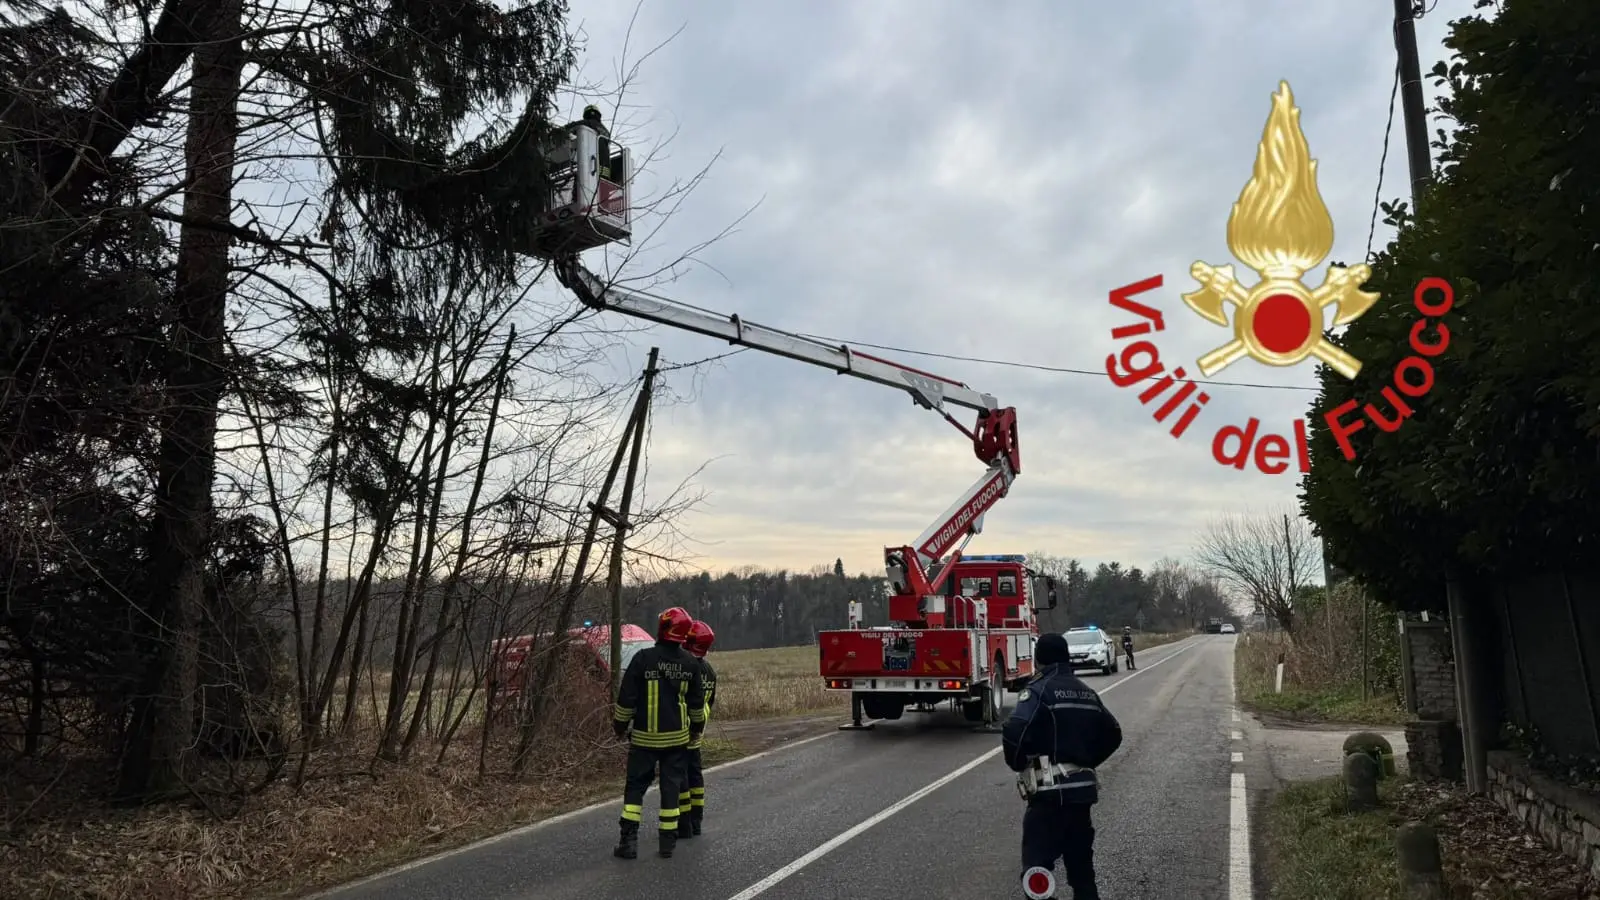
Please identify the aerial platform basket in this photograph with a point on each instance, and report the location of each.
(589, 201)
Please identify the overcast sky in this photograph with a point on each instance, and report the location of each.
(933, 177)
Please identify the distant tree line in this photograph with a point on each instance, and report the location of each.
(752, 607)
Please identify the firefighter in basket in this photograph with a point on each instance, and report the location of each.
(692, 797)
(662, 699)
(1058, 734)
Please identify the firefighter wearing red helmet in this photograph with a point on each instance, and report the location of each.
(662, 700)
(692, 799)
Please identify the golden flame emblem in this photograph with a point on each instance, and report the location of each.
(1281, 229)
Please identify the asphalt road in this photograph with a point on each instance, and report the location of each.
(922, 807)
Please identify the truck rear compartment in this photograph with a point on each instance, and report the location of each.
(887, 670)
(901, 655)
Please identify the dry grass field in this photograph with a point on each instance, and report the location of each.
(782, 681)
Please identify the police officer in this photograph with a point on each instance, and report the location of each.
(1127, 645)
(692, 799)
(662, 698)
(1058, 734)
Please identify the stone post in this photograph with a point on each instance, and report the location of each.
(1421, 869)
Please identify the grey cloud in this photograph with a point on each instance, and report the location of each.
(939, 179)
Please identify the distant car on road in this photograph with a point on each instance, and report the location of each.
(1227, 628)
(1091, 648)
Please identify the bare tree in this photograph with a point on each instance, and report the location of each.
(1267, 558)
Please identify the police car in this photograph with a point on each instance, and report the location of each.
(1091, 648)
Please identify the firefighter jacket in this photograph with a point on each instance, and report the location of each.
(709, 676)
(662, 697)
(1058, 734)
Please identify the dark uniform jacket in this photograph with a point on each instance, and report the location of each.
(1127, 642)
(662, 697)
(708, 675)
(1061, 718)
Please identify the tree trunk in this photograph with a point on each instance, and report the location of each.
(158, 756)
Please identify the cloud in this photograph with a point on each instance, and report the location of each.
(932, 177)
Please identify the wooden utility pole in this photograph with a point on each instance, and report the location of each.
(1416, 115)
(1366, 656)
(1465, 626)
(575, 587)
(641, 414)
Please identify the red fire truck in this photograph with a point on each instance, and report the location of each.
(968, 643)
(960, 628)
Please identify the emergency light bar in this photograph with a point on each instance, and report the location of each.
(995, 557)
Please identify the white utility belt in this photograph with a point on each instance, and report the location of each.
(1044, 775)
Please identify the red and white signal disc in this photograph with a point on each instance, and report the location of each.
(1039, 883)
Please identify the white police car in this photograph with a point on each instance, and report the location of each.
(1091, 648)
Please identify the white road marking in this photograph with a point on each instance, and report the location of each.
(545, 823)
(1239, 887)
(1238, 757)
(1236, 715)
(1238, 735)
(765, 884)
(834, 843)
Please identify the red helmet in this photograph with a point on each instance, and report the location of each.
(700, 638)
(674, 625)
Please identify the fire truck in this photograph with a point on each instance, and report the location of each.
(968, 641)
(961, 629)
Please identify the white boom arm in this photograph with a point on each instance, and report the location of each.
(994, 440)
(928, 390)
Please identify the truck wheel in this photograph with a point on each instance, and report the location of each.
(995, 699)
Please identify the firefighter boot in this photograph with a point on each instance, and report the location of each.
(669, 840)
(697, 817)
(628, 846)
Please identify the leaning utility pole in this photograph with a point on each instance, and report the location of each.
(1416, 115)
(641, 414)
(1465, 629)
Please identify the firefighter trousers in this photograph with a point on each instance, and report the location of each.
(643, 765)
(692, 797)
(1053, 830)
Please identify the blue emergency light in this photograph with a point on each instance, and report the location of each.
(588, 623)
(1094, 627)
(996, 557)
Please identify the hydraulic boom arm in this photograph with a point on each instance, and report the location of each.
(994, 438)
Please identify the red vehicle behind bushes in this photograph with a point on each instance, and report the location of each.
(588, 649)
